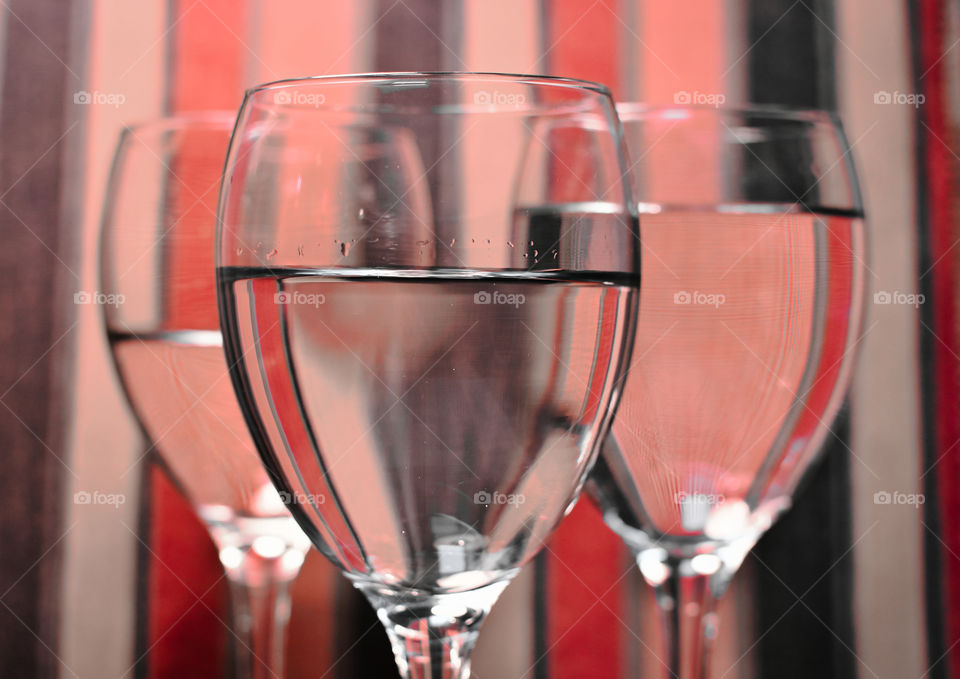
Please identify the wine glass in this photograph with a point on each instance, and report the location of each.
(752, 303)
(428, 284)
(157, 262)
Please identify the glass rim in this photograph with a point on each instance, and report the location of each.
(633, 110)
(822, 119)
(479, 76)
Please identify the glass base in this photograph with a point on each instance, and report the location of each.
(432, 635)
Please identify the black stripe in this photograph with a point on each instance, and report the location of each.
(793, 64)
(805, 544)
(541, 571)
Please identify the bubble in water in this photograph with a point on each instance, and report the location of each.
(453, 241)
(510, 244)
(239, 251)
(300, 250)
(272, 253)
(423, 243)
(344, 248)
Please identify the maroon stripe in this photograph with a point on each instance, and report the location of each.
(35, 311)
(938, 194)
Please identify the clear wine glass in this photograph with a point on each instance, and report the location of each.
(157, 264)
(752, 303)
(428, 286)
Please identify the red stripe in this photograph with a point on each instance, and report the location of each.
(608, 319)
(941, 175)
(338, 535)
(192, 188)
(186, 638)
(208, 55)
(585, 561)
(841, 312)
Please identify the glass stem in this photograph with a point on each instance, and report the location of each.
(260, 594)
(686, 594)
(432, 635)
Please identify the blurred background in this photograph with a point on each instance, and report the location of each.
(849, 584)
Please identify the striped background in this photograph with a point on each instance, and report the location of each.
(841, 588)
